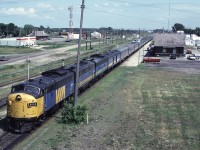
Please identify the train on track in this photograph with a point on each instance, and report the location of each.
(31, 101)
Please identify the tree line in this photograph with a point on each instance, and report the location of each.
(12, 30)
(181, 27)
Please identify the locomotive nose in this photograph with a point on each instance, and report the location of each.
(21, 106)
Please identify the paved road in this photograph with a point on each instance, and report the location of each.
(44, 56)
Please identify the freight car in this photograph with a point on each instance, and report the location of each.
(31, 101)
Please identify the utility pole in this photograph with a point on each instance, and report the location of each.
(28, 69)
(70, 18)
(78, 54)
(86, 39)
(19, 36)
(90, 41)
(138, 55)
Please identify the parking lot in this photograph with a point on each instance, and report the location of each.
(180, 64)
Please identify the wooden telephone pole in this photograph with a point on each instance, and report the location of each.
(78, 55)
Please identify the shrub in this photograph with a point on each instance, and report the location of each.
(73, 114)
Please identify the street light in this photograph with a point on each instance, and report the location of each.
(28, 61)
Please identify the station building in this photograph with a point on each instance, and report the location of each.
(166, 44)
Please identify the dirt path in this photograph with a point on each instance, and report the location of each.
(49, 55)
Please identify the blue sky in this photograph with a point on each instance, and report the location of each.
(127, 14)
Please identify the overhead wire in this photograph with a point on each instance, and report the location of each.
(130, 17)
(92, 9)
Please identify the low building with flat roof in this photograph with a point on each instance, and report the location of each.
(19, 41)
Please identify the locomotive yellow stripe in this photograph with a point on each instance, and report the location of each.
(110, 64)
(98, 72)
(86, 80)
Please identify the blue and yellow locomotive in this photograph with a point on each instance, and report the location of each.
(31, 101)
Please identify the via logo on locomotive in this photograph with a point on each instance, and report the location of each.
(60, 94)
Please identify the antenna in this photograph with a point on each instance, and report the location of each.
(169, 14)
(70, 18)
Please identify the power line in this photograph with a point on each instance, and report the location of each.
(130, 17)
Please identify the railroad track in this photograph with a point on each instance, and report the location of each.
(8, 140)
(16, 80)
(3, 102)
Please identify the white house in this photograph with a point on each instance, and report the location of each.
(96, 35)
(70, 36)
(189, 41)
(195, 37)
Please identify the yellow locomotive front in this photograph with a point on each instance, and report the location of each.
(24, 107)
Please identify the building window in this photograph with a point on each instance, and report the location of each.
(164, 50)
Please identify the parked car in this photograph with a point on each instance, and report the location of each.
(191, 57)
(3, 58)
(172, 57)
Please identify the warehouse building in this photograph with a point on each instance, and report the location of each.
(20, 41)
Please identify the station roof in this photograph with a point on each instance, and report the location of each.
(169, 40)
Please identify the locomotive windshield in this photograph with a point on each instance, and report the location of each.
(32, 89)
(17, 88)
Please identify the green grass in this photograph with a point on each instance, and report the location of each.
(133, 108)
(54, 46)
(13, 72)
(7, 50)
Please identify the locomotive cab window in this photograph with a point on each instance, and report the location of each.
(17, 88)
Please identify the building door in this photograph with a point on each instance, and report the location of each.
(174, 51)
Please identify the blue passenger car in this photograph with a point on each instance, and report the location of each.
(124, 52)
(132, 48)
(113, 58)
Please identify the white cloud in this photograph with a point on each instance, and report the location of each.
(127, 4)
(19, 11)
(45, 6)
(105, 4)
(96, 6)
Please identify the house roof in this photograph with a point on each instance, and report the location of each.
(38, 33)
(169, 39)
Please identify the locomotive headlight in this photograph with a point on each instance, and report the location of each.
(9, 103)
(32, 104)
